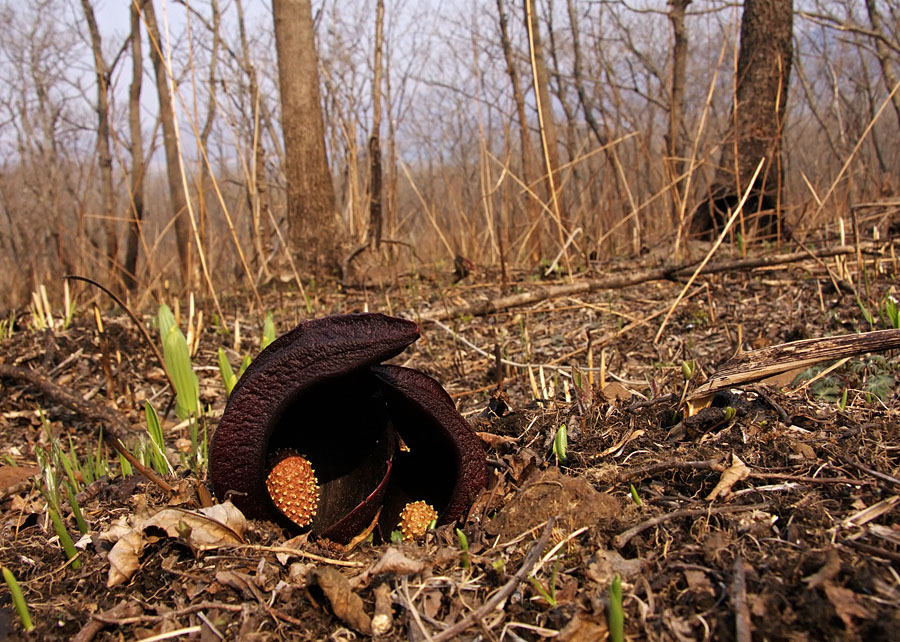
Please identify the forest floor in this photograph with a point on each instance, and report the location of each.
(800, 542)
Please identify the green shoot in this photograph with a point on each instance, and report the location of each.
(199, 447)
(125, 466)
(63, 459)
(18, 600)
(178, 362)
(268, 332)
(549, 596)
(616, 616)
(865, 312)
(891, 311)
(560, 444)
(464, 547)
(64, 538)
(158, 460)
(842, 402)
(228, 376)
(244, 364)
(688, 368)
(635, 497)
(101, 461)
(76, 510)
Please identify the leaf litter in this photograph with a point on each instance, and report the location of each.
(782, 514)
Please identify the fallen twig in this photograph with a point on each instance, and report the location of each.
(111, 421)
(625, 536)
(633, 277)
(773, 360)
(742, 625)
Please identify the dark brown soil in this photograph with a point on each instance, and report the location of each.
(803, 546)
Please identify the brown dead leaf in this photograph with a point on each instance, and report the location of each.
(697, 579)
(240, 582)
(13, 475)
(218, 526)
(393, 561)
(346, 604)
(846, 604)
(608, 564)
(214, 527)
(828, 572)
(495, 441)
(124, 558)
(732, 475)
(615, 391)
(583, 627)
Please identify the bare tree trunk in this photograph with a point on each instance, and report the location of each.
(375, 215)
(104, 157)
(257, 199)
(578, 76)
(177, 196)
(763, 74)
(531, 205)
(137, 152)
(545, 106)
(883, 53)
(560, 91)
(674, 138)
(310, 191)
(203, 209)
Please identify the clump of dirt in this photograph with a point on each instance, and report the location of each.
(550, 493)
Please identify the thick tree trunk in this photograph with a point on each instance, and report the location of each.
(137, 152)
(104, 156)
(763, 75)
(310, 191)
(177, 196)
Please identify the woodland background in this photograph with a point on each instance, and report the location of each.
(454, 162)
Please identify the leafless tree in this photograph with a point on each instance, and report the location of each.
(104, 156)
(310, 192)
(177, 195)
(547, 122)
(375, 203)
(760, 101)
(136, 184)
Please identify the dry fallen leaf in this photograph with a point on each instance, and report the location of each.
(347, 605)
(608, 564)
(218, 526)
(732, 475)
(213, 527)
(12, 475)
(393, 561)
(124, 558)
(846, 604)
(828, 572)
